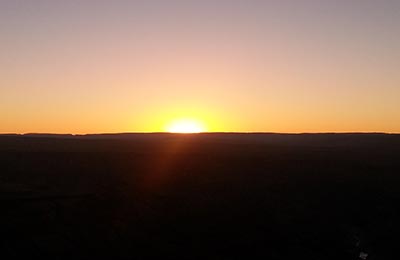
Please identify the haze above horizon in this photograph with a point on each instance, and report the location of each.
(218, 66)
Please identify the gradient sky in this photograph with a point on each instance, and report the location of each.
(85, 66)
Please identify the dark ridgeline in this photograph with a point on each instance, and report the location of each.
(201, 196)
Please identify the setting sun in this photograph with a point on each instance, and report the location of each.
(186, 126)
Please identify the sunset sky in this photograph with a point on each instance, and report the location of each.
(85, 66)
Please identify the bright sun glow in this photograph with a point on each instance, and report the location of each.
(186, 126)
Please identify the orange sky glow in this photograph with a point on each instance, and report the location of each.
(234, 66)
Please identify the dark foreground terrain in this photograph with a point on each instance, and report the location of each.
(205, 196)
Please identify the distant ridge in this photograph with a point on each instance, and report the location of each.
(142, 134)
(48, 135)
(130, 141)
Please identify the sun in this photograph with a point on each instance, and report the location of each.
(186, 126)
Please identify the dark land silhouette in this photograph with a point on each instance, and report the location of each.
(200, 196)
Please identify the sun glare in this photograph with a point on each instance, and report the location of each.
(186, 126)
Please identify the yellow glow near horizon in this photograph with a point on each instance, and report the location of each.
(72, 68)
(186, 126)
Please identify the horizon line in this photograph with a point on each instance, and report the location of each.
(201, 133)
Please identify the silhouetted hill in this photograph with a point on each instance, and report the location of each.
(317, 140)
(200, 196)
